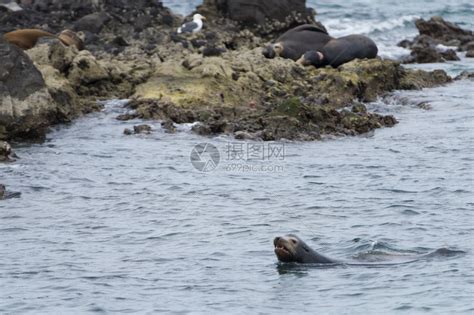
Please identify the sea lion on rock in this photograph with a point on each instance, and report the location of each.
(339, 51)
(297, 41)
(291, 248)
(27, 38)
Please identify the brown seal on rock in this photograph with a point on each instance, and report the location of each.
(27, 38)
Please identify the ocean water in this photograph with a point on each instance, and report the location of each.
(109, 223)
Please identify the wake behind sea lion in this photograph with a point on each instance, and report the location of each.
(340, 51)
(297, 41)
(27, 38)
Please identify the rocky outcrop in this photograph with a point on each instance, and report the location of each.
(435, 39)
(26, 107)
(6, 152)
(52, 83)
(217, 79)
(244, 94)
(444, 32)
(263, 17)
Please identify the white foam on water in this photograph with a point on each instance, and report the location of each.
(345, 26)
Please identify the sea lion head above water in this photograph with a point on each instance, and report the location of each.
(291, 249)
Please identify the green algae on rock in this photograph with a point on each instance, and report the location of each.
(243, 93)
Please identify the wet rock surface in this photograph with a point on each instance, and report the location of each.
(263, 17)
(6, 152)
(438, 41)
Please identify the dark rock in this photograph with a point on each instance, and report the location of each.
(450, 55)
(470, 53)
(465, 75)
(125, 117)
(92, 22)
(418, 79)
(6, 153)
(168, 126)
(425, 54)
(469, 46)
(359, 108)
(429, 54)
(264, 16)
(120, 41)
(26, 107)
(127, 132)
(243, 135)
(424, 105)
(432, 33)
(213, 51)
(201, 129)
(19, 78)
(142, 129)
(405, 43)
(4, 194)
(198, 43)
(443, 31)
(250, 12)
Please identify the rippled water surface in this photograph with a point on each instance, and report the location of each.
(125, 224)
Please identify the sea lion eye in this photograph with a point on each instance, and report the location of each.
(293, 241)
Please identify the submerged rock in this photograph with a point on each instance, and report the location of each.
(4, 194)
(139, 129)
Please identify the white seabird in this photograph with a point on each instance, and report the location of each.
(194, 26)
(10, 5)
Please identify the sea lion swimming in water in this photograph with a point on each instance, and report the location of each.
(291, 248)
(297, 41)
(27, 38)
(340, 51)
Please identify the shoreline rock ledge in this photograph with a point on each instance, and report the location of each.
(216, 78)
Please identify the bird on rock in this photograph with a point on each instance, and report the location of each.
(194, 26)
